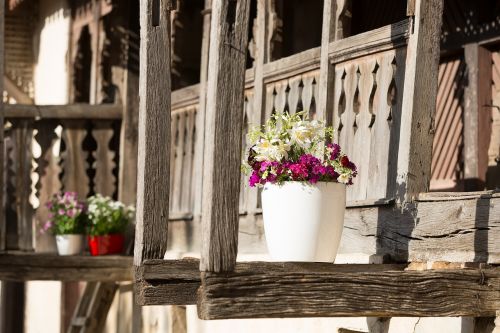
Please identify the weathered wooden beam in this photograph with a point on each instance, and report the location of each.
(71, 111)
(3, 227)
(470, 234)
(177, 281)
(25, 267)
(223, 119)
(200, 115)
(477, 121)
(154, 132)
(419, 100)
(388, 293)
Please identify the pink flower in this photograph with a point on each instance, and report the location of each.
(254, 179)
(61, 211)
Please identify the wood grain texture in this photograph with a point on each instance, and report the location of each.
(154, 132)
(2, 112)
(200, 115)
(419, 100)
(25, 267)
(167, 282)
(433, 293)
(327, 71)
(70, 111)
(477, 125)
(224, 111)
(177, 281)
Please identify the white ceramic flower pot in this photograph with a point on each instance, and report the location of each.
(303, 222)
(69, 244)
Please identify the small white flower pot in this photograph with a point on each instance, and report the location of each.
(303, 222)
(69, 244)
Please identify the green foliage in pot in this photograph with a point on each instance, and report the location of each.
(107, 216)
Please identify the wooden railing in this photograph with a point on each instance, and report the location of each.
(366, 113)
(53, 148)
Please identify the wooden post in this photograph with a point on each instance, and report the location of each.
(477, 120)
(419, 100)
(326, 75)
(154, 132)
(223, 119)
(200, 115)
(3, 228)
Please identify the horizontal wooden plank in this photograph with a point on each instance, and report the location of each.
(177, 281)
(185, 97)
(432, 293)
(35, 266)
(293, 65)
(450, 196)
(370, 202)
(458, 230)
(70, 111)
(373, 41)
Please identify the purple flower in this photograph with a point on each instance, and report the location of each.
(334, 150)
(61, 211)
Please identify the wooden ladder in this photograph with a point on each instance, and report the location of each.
(93, 307)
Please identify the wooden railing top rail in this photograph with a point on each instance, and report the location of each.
(185, 97)
(70, 111)
(373, 41)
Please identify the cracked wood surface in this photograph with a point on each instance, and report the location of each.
(250, 293)
(458, 230)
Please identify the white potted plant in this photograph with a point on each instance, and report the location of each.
(304, 177)
(67, 222)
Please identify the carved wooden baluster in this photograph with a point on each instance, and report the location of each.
(315, 89)
(339, 103)
(281, 96)
(380, 144)
(10, 178)
(173, 155)
(48, 170)
(179, 159)
(294, 94)
(186, 203)
(362, 137)
(270, 103)
(74, 158)
(24, 137)
(350, 83)
(105, 180)
(307, 91)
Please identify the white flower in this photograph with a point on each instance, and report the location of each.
(343, 178)
(271, 150)
(302, 134)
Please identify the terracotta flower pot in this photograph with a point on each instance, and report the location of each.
(303, 222)
(106, 244)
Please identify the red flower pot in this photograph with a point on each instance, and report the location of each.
(106, 244)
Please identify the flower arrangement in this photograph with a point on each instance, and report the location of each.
(66, 214)
(293, 148)
(107, 216)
